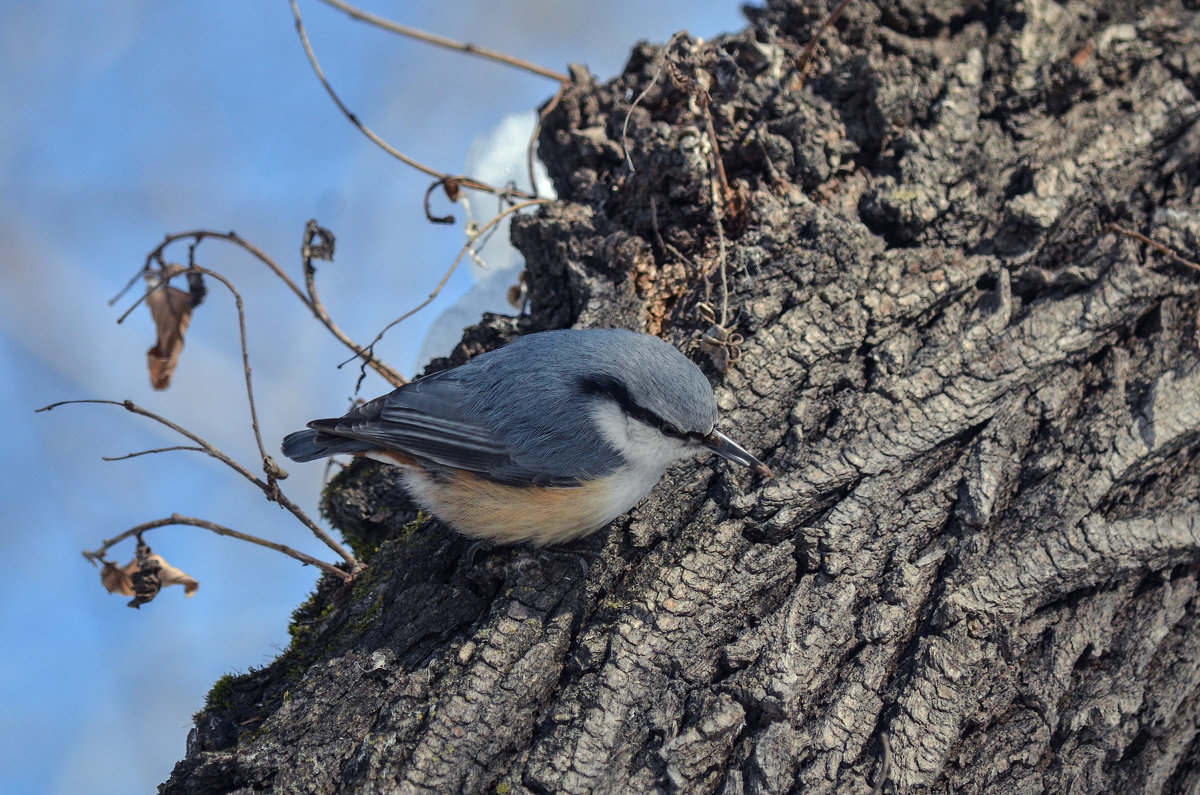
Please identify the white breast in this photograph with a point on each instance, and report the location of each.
(646, 450)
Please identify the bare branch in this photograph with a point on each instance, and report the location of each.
(272, 471)
(97, 556)
(449, 44)
(662, 60)
(1167, 251)
(271, 490)
(806, 56)
(466, 182)
(531, 155)
(311, 300)
(156, 255)
(721, 261)
(727, 197)
(318, 309)
(462, 253)
(150, 452)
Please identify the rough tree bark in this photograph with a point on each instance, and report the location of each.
(977, 567)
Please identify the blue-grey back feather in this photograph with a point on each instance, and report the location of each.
(519, 414)
(310, 445)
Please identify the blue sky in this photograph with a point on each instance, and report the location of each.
(126, 121)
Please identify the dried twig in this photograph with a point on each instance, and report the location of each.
(477, 237)
(310, 283)
(720, 341)
(663, 55)
(450, 44)
(97, 556)
(727, 197)
(531, 154)
(150, 452)
(721, 202)
(698, 89)
(806, 56)
(1166, 250)
(885, 765)
(663, 244)
(197, 235)
(269, 467)
(462, 253)
(721, 262)
(270, 489)
(450, 187)
(311, 300)
(466, 182)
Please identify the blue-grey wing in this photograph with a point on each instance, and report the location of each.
(431, 420)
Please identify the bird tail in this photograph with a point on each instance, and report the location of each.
(309, 445)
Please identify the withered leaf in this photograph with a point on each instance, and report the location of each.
(173, 576)
(171, 309)
(318, 241)
(518, 294)
(116, 579)
(146, 583)
(144, 578)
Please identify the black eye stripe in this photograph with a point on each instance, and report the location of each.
(611, 388)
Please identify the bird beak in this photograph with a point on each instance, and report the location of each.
(730, 450)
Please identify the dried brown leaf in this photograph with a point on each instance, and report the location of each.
(171, 309)
(143, 578)
(116, 579)
(169, 575)
(518, 294)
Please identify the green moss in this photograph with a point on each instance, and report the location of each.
(413, 526)
(406, 536)
(367, 579)
(250, 735)
(503, 788)
(228, 693)
(307, 618)
(906, 194)
(245, 701)
(363, 549)
(368, 549)
(355, 476)
(349, 477)
(374, 610)
(331, 489)
(367, 619)
(367, 504)
(220, 695)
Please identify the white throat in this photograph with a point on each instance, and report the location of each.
(646, 450)
(647, 453)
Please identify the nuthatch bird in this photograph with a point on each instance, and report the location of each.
(544, 440)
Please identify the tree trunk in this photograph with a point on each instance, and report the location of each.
(977, 566)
